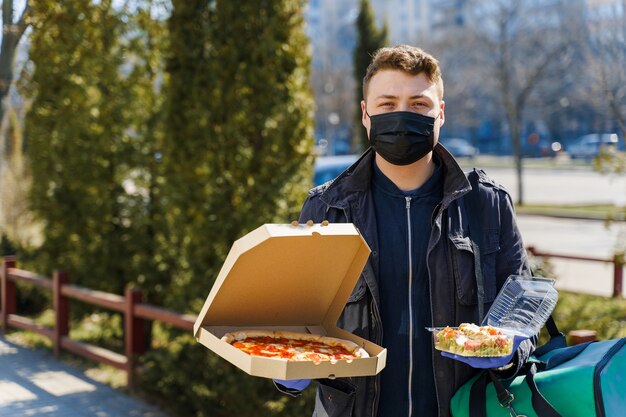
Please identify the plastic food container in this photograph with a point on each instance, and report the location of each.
(519, 312)
(523, 305)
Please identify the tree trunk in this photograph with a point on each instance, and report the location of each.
(514, 123)
(11, 35)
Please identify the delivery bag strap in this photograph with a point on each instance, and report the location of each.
(478, 395)
(557, 339)
(478, 392)
(542, 407)
(474, 209)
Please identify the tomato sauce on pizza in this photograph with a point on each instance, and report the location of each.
(294, 346)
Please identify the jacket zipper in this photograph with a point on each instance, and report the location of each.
(408, 221)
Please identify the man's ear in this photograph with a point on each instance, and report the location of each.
(442, 113)
(363, 113)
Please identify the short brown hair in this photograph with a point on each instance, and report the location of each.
(406, 58)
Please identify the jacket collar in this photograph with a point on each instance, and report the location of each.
(357, 179)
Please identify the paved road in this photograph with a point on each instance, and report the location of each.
(572, 237)
(563, 187)
(576, 237)
(33, 383)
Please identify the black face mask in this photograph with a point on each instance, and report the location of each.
(402, 137)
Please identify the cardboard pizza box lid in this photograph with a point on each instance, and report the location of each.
(290, 277)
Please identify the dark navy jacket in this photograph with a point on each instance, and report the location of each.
(453, 297)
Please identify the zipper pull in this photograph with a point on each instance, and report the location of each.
(408, 202)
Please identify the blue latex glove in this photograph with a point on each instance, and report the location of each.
(293, 384)
(488, 362)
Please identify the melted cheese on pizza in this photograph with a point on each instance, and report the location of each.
(293, 349)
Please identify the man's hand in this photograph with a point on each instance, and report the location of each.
(292, 386)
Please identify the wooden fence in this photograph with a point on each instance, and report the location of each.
(618, 265)
(130, 305)
(136, 312)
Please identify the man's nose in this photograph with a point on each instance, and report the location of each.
(404, 106)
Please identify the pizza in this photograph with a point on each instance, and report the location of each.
(472, 340)
(294, 346)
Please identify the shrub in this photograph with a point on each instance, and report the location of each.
(193, 381)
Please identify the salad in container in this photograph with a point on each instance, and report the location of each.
(472, 340)
(520, 310)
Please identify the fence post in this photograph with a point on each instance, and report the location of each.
(61, 309)
(618, 276)
(577, 337)
(8, 291)
(134, 332)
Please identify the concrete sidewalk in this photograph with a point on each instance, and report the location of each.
(34, 383)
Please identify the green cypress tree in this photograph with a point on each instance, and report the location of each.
(239, 137)
(16, 218)
(369, 39)
(76, 140)
(146, 43)
(186, 150)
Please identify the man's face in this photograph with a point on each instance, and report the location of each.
(392, 90)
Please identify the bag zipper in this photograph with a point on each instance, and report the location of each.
(597, 373)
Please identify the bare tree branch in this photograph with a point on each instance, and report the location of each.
(22, 23)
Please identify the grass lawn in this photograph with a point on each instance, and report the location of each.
(607, 212)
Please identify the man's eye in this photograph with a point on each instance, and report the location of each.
(419, 104)
(387, 104)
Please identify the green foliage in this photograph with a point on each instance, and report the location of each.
(145, 43)
(16, 220)
(154, 145)
(610, 161)
(607, 316)
(6, 246)
(100, 328)
(93, 135)
(77, 143)
(369, 39)
(30, 299)
(541, 267)
(237, 152)
(185, 156)
(210, 386)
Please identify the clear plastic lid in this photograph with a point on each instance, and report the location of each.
(523, 304)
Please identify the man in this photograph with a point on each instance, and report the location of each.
(405, 195)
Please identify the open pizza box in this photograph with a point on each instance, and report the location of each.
(293, 277)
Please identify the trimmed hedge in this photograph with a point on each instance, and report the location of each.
(190, 380)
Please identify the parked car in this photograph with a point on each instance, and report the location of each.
(589, 146)
(328, 167)
(542, 148)
(460, 148)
